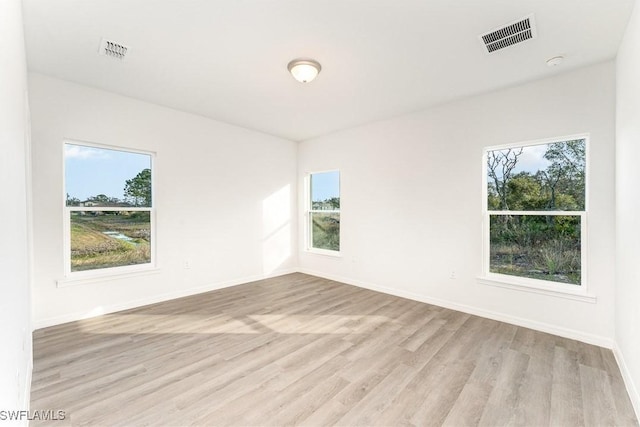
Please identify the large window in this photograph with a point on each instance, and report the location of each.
(324, 211)
(108, 208)
(535, 212)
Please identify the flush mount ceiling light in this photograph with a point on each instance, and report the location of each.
(304, 70)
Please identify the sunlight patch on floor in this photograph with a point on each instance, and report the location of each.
(145, 324)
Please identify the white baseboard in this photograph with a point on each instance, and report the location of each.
(518, 321)
(632, 390)
(527, 323)
(26, 399)
(72, 317)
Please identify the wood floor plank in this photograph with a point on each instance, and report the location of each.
(507, 392)
(369, 410)
(468, 408)
(598, 405)
(566, 389)
(300, 350)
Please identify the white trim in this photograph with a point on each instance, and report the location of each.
(632, 390)
(536, 213)
(74, 141)
(501, 317)
(26, 399)
(324, 252)
(107, 275)
(325, 211)
(71, 317)
(107, 209)
(322, 171)
(507, 282)
(543, 141)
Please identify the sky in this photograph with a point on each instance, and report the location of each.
(532, 159)
(325, 185)
(90, 171)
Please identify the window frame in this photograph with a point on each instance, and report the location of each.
(89, 276)
(309, 211)
(579, 291)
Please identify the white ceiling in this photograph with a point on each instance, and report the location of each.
(227, 59)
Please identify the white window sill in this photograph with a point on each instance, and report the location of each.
(103, 276)
(324, 252)
(506, 282)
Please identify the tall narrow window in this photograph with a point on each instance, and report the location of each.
(324, 211)
(109, 208)
(535, 212)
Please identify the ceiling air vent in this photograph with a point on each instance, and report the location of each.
(113, 49)
(510, 34)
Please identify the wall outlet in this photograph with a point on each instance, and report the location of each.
(452, 275)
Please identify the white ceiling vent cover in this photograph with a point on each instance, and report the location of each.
(113, 49)
(509, 34)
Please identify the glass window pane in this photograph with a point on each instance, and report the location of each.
(544, 247)
(325, 231)
(102, 239)
(543, 177)
(106, 178)
(325, 191)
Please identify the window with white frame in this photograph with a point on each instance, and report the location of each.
(108, 208)
(323, 211)
(535, 213)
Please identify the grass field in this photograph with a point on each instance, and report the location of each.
(326, 231)
(537, 246)
(557, 261)
(110, 240)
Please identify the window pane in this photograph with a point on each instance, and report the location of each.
(102, 177)
(325, 191)
(325, 231)
(536, 246)
(537, 177)
(103, 239)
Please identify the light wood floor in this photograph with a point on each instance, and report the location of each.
(299, 350)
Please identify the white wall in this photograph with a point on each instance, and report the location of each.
(627, 318)
(225, 198)
(15, 297)
(411, 199)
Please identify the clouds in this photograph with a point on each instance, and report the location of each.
(82, 152)
(532, 159)
(90, 170)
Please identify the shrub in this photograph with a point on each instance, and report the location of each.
(558, 256)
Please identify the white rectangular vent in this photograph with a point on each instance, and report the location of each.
(113, 49)
(510, 34)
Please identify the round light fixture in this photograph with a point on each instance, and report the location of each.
(304, 70)
(555, 61)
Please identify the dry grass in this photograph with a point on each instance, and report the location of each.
(92, 249)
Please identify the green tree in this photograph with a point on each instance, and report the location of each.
(500, 166)
(524, 192)
(565, 177)
(101, 199)
(72, 201)
(137, 190)
(334, 202)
